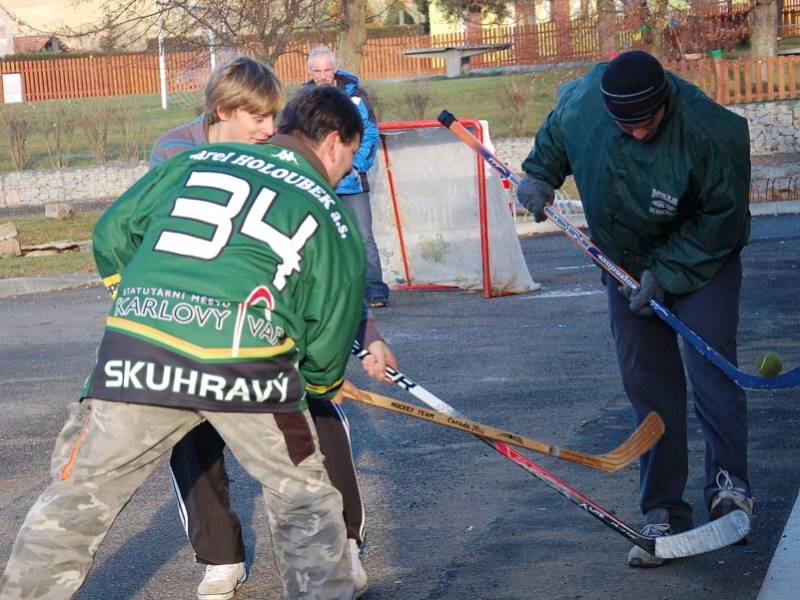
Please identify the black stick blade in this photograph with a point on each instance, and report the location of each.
(446, 118)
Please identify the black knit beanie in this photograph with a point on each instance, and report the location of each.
(634, 86)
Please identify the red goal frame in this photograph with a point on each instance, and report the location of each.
(476, 128)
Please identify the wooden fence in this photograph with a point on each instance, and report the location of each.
(790, 18)
(127, 74)
(739, 81)
(116, 75)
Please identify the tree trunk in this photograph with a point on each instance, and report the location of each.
(607, 28)
(352, 36)
(561, 18)
(658, 29)
(764, 33)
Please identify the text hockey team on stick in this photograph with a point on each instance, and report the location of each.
(639, 442)
(714, 535)
(743, 379)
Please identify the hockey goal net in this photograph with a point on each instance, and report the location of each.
(440, 218)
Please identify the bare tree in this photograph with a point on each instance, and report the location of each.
(352, 35)
(667, 28)
(764, 35)
(607, 27)
(264, 28)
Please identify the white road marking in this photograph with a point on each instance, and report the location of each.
(782, 581)
(571, 293)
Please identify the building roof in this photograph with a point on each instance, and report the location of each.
(38, 43)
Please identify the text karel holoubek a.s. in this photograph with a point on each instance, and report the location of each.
(300, 182)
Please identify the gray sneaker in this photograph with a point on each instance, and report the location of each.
(731, 495)
(657, 525)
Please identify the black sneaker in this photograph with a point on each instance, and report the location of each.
(378, 302)
(657, 525)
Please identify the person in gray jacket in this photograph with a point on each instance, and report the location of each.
(240, 106)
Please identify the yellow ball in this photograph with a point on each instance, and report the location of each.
(769, 364)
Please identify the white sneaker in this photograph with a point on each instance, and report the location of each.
(220, 581)
(657, 525)
(356, 568)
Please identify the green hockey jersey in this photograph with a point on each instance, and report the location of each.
(238, 282)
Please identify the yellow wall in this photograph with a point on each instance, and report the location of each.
(440, 24)
(52, 15)
(70, 16)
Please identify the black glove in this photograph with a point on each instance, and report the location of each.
(639, 300)
(533, 194)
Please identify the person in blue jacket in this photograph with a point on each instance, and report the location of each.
(354, 187)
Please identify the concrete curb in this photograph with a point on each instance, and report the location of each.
(782, 581)
(19, 286)
(771, 209)
(762, 209)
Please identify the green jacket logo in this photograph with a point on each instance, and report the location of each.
(663, 204)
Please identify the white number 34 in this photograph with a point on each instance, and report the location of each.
(221, 216)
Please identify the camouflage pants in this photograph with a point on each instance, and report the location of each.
(107, 449)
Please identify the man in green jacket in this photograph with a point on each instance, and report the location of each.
(238, 283)
(663, 174)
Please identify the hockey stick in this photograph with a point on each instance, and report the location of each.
(717, 534)
(639, 442)
(743, 379)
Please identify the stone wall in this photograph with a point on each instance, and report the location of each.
(19, 189)
(512, 151)
(774, 126)
(774, 129)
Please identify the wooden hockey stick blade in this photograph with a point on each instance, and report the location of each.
(714, 535)
(639, 442)
(705, 540)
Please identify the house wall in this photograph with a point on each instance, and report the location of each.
(7, 30)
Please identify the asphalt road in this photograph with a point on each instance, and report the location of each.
(448, 518)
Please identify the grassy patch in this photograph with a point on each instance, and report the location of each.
(132, 125)
(67, 262)
(134, 122)
(477, 97)
(39, 229)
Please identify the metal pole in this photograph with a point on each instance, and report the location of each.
(162, 63)
(212, 49)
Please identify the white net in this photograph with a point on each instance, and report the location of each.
(436, 238)
(187, 74)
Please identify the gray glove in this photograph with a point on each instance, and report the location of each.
(533, 194)
(639, 300)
